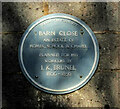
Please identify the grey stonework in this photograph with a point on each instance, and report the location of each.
(101, 91)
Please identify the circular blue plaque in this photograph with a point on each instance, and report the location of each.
(58, 53)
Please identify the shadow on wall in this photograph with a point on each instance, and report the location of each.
(103, 79)
(10, 41)
(17, 93)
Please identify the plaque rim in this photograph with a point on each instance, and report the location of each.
(91, 72)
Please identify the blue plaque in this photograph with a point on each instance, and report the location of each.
(58, 53)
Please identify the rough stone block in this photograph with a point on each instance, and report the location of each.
(10, 44)
(108, 48)
(18, 16)
(18, 92)
(99, 16)
(100, 91)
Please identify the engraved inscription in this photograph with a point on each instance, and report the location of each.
(68, 33)
(64, 74)
(58, 46)
(60, 33)
(46, 33)
(58, 68)
(58, 58)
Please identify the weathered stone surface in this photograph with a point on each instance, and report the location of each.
(97, 93)
(18, 92)
(10, 43)
(99, 16)
(119, 57)
(18, 16)
(103, 85)
(101, 91)
(119, 16)
(108, 48)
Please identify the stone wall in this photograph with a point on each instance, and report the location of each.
(101, 91)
